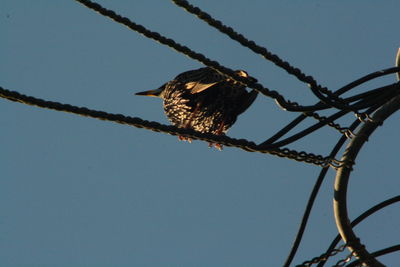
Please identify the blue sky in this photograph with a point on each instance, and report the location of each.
(76, 191)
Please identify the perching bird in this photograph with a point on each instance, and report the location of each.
(204, 100)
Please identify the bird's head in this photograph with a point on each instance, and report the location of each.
(155, 93)
(244, 74)
(241, 73)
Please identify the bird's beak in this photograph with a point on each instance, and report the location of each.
(155, 93)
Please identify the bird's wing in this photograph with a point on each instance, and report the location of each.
(197, 87)
(199, 80)
(247, 99)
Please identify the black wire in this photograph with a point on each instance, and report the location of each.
(344, 89)
(359, 219)
(314, 193)
(380, 96)
(364, 79)
(306, 131)
(284, 130)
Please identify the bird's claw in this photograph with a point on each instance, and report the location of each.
(183, 138)
(217, 146)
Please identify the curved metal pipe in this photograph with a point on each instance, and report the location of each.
(342, 178)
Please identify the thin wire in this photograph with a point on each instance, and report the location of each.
(368, 99)
(340, 91)
(312, 197)
(307, 131)
(346, 88)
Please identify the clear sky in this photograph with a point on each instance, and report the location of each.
(77, 191)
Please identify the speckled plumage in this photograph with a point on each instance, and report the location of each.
(204, 100)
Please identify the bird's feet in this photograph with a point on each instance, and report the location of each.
(217, 146)
(183, 138)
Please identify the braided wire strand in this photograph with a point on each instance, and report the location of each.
(343, 130)
(322, 257)
(243, 144)
(314, 86)
(342, 262)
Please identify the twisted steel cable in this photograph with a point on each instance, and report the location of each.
(314, 86)
(243, 144)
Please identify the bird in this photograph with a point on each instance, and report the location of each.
(204, 100)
